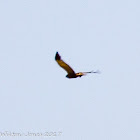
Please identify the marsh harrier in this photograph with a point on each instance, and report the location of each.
(68, 69)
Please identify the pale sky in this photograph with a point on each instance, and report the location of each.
(35, 95)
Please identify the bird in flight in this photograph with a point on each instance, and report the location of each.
(68, 69)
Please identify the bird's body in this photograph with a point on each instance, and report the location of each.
(68, 69)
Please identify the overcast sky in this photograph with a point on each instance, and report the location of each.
(35, 95)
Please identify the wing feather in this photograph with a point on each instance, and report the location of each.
(62, 64)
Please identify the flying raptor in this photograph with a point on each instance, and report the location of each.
(68, 69)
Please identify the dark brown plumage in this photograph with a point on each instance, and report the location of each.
(68, 69)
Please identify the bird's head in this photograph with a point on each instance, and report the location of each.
(79, 74)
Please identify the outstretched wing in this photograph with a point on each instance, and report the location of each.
(92, 72)
(62, 64)
(79, 74)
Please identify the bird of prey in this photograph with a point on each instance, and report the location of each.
(68, 69)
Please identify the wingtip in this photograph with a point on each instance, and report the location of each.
(57, 56)
(97, 71)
